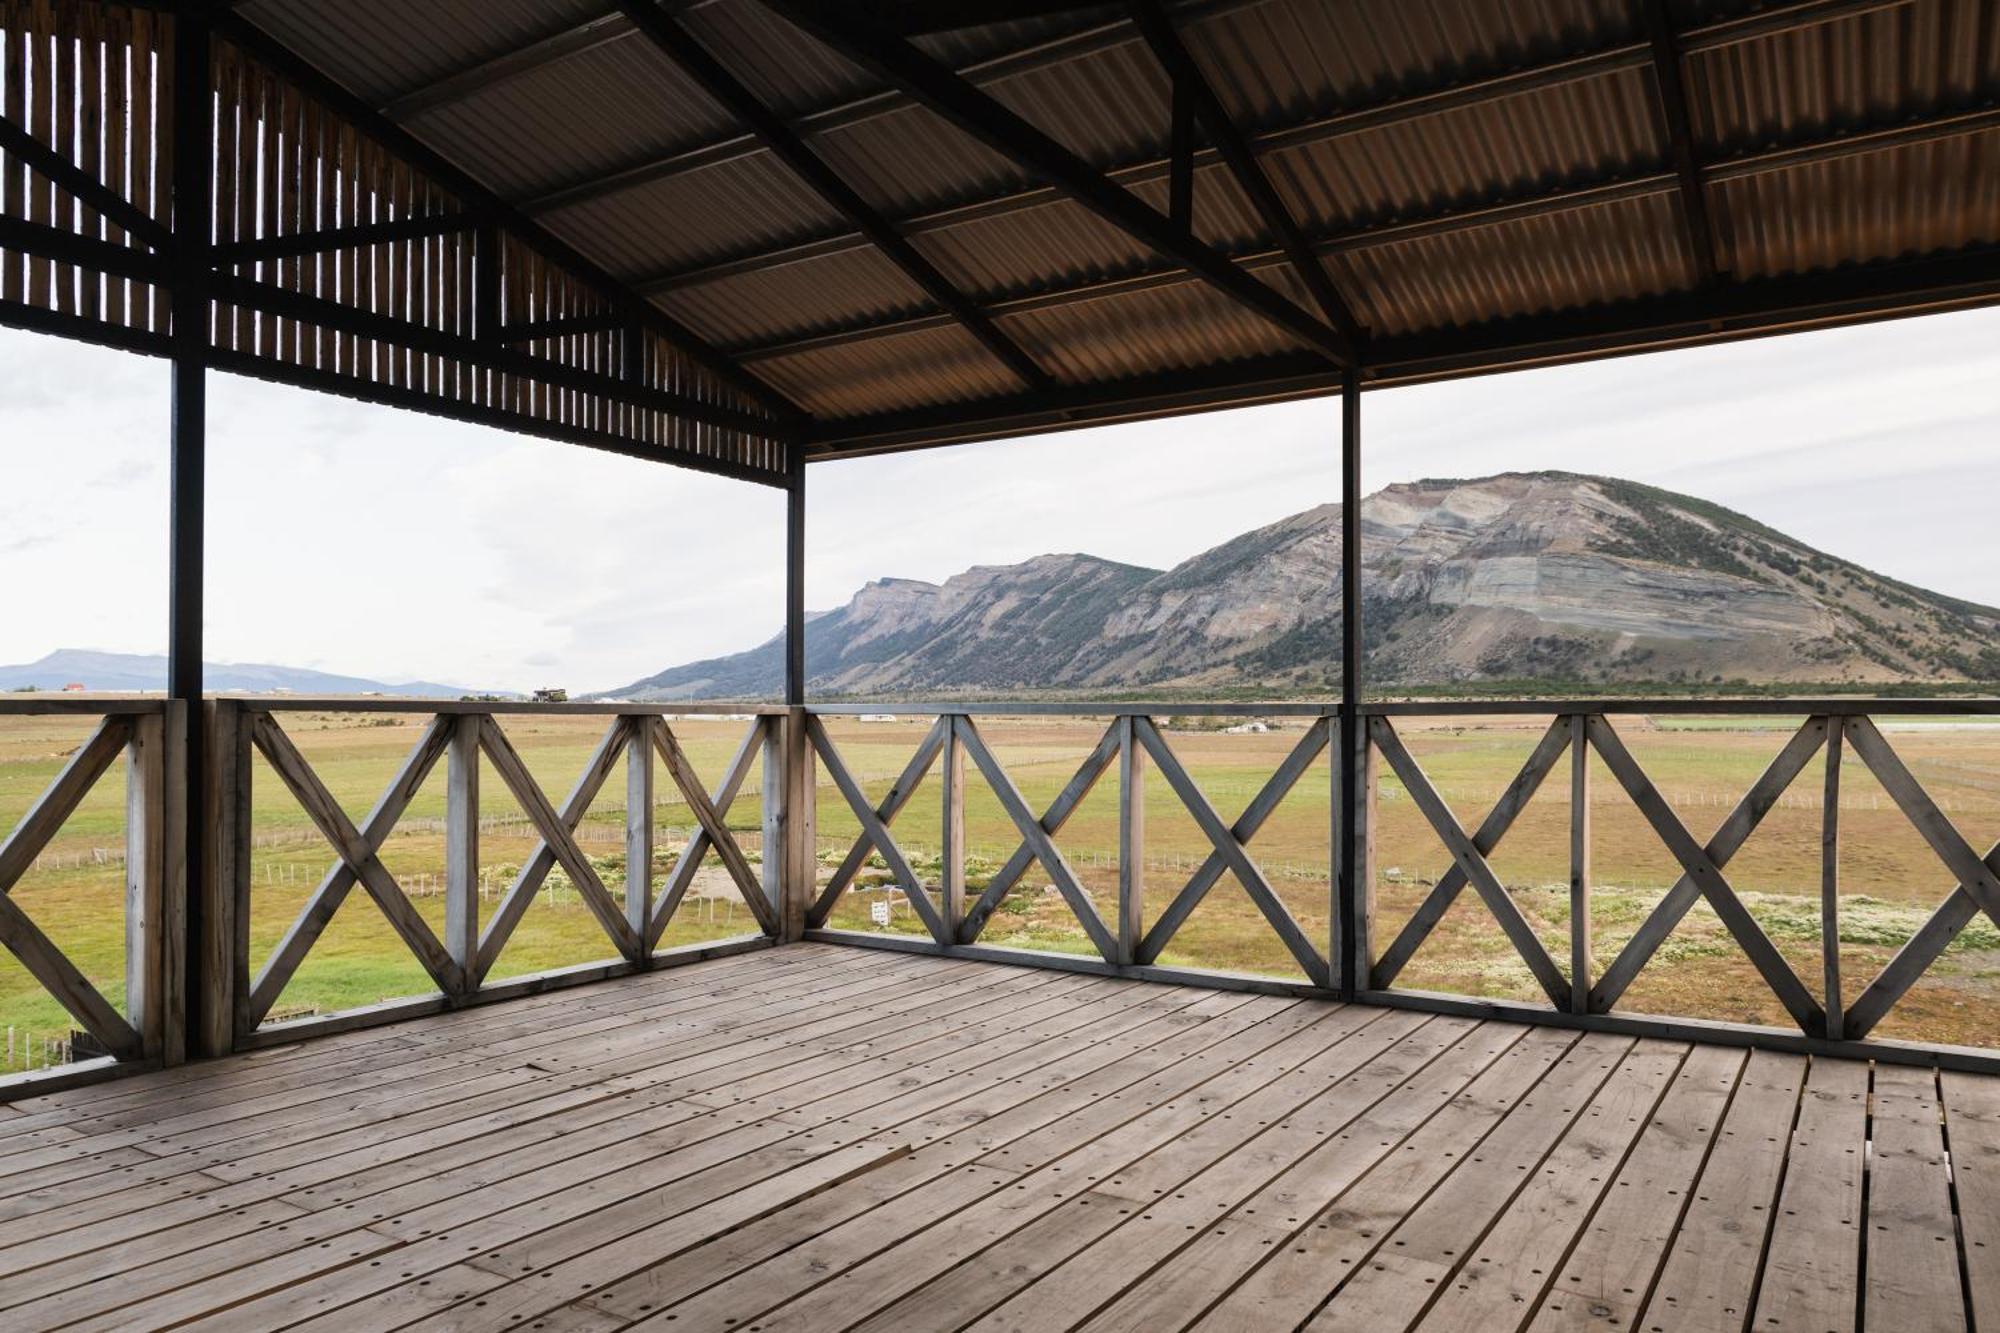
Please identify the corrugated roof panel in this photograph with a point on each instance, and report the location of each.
(1577, 258)
(576, 119)
(1595, 128)
(1057, 245)
(384, 48)
(1861, 70)
(909, 370)
(910, 160)
(1289, 60)
(1145, 333)
(684, 220)
(1897, 203)
(798, 299)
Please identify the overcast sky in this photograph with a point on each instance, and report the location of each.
(388, 544)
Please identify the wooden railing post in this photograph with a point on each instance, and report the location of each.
(793, 787)
(1582, 967)
(1355, 785)
(1131, 840)
(771, 868)
(220, 986)
(639, 828)
(461, 847)
(951, 864)
(1829, 882)
(146, 902)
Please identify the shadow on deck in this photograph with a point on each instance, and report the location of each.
(820, 1138)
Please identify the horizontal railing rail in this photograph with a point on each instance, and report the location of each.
(147, 1030)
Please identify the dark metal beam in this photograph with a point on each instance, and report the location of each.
(1105, 35)
(1350, 961)
(788, 417)
(1678, 129)
(563, 43)
(191, 184)
(1452, 94)
(16, 141)
(795, 579)
(252, 294)
(1495, 211)
(1744, 309)
(562, 326)
(712, 77)
(948, 95)
(67, 247)
(1249, 174)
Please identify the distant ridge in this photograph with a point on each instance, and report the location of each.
(137, 672)
(1548, 576)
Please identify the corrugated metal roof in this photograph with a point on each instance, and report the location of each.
(1494, 140)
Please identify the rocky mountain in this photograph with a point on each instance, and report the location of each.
(138, 672)
(1523, 576)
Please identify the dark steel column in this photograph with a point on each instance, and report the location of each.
(795, 580)
(193, 235)
(1349, 924)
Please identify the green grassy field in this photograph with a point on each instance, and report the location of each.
(1891, 879)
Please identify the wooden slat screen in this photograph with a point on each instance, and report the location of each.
(392, 314)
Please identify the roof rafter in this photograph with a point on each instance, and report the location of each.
(1494, 211)
(1679, 128)
(788, 418)
(1450, 95)
(1089, 40)
(950, 96)
(711, 76)
(1249, 174)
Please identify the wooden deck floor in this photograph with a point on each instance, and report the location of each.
(819, 1138)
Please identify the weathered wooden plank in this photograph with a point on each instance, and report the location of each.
(1388, 1267)
(461, 851)
(1615, 1262)
(1710, 1277)
(1812, 1262)
(689, 861)
(558, 835)
(1234, 856)
(899, 794)
(1080, 785)
(1912, 1275)
(1278, 786)
(1131, 842)
(1972, 1130)
(1502, 1278)
(1727, 840)
(1707, 874)
(876, 831)
(333, 891)
(1045, 849)
(720, 838)
(1472, 862)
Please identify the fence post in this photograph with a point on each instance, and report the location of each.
(1356, 786)
(461, 847)
(790, 782)
(951, 857)
(1829, 882)
(1582, 968)
(1131, 840)
(219, 986)
(146, 870)
(639, 829)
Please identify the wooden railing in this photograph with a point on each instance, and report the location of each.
(1826, 1009)
(147, 734)
(1359, 952)
(459, 959)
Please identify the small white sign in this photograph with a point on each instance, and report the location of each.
(878, 912)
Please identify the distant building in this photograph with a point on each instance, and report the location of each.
(74, 687)
(876, 717)
(552, 696)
